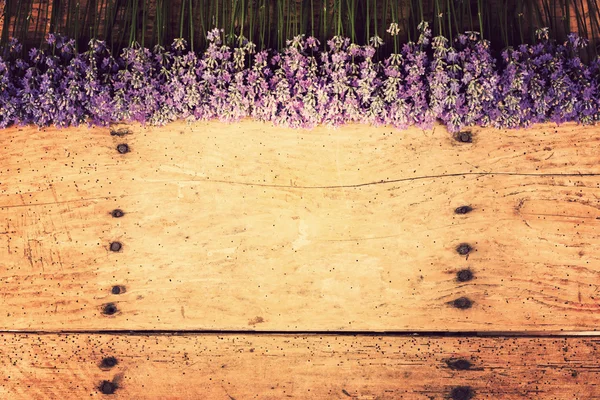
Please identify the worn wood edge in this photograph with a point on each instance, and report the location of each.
(240, 366)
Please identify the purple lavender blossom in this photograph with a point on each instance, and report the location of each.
(461, 84)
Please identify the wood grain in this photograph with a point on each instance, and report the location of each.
(297, 366)
(250, 227)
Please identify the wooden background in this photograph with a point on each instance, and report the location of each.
(250, 261)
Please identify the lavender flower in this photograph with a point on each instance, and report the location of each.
(394, 29)
(304, 85)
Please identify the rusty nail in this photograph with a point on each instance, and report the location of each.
(462, 393)
(120, 132)
(464, 275)
(115, 246)
(463, 249)
(109, 309)
(107, 387)
(123, 148)
(459, 364)
(464, 137)
(117, 213)
(463, 210)
(108, 362)
(462, 303)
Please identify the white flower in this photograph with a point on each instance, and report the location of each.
(376, 41)
(472, 35)
(250, 48)
(394, 29)
(543, 33)
(423, 26)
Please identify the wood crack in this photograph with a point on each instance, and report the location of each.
(383, 182)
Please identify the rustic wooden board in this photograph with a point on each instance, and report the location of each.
(316, 367)
(248, 227)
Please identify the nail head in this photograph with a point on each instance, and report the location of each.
(116, 289)
(464, 137)
(462, 303)
(115, 246)
(117, 213)
(464, 275)
(120, 132)
(463, 210)
(459, 364)
(109, 309)
(107, 387)
(123, 148)
(462, 393)
(463, 249)
(108, 362)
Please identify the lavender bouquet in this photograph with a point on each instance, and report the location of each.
(459, 83)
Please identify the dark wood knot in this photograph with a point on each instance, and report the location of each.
(463, 210)
(462, 393)
(464, 137)
(463, 249)
(108, 362)
(459, 364)
(123, 148)
(462, 303)
(117, 213)
(116, 246)
(464, 275)
(108, 387)
(109, 309)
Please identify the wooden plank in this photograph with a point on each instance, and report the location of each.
(214, 235)
(299, 366)
(255, 153)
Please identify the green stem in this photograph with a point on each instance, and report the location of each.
(395, 36)
(144, 22)
(7, 16)
(412, 16)
(37, 22)
(250, 23)
(182, 13)
(339, 17)
(368, 24)
(449, 21)
(45, 23)
(520, 28)
(479, 11)
(312, 18)
(470, 11)
(324, 19)
(375, 14)
(438, 15)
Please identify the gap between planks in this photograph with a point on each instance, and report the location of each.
(246, 366)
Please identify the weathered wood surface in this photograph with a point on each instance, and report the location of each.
(304, 367)
(250, 227)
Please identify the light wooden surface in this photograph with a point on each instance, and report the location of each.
(247, 227)
(298, 367)
(250, 227)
